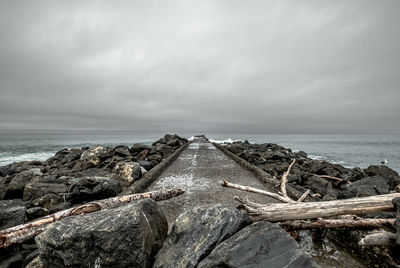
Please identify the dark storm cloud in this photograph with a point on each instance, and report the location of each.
(233, 66)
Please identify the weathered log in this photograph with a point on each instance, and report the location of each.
(23, 232)
(311, 210)
(381, 238)
(255, 190)
(284, 182)
(336, 223)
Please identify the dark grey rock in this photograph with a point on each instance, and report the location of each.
(261, 244)
(15, 189)
(37, 190)
(196, 232)
(48, 200)
(93, 188)
(122, 151)
(391, 176)
(12, 213)
(127, 236)
(396, 204)
(356, 174)
(137, 148)
(147, 165)
(366, 187)
(6, 170)
(318, 185)
(36, 212)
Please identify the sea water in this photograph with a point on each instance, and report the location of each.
(347, 150)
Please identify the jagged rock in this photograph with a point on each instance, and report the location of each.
(12, 213)
(15, 189)
(356, 174)
(155, 157)
(366, 187)
(93, 188)
(127, 236)
(147, 165)
(137, 148)
(6, 170)
(391, 176)
(318, 185)
(196, 232)
(93, 156)
(35, 263)
(36, 212)
(128, 171)
(122, 151)
(37, 190)
(261, 244)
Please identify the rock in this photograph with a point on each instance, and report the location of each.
(72, 155)
(128, 171)
(93, 156)
(396, 204)
(48, 200)
(318, 185)
(137, 148)
(12, 213)
(36, 212)
(155, 157)
(356, 174)
(196, 232)
(93, 188)
(366, 187)
(6, 170)
(37, 190)
(15, 189)
(391, 176)
(127, 236)
(122, 151)
(36, 263)
(261, 244)
(147, 165)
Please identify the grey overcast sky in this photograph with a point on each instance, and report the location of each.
(265, 67)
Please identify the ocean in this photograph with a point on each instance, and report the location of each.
(347, 150)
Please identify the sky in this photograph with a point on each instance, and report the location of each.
(255, 67)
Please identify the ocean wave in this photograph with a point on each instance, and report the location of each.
(8, 158)
(229, 140)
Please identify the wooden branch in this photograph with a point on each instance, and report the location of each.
(255, 190)
(23, 232)
(284, 182)
(311, 210)
(304, 196)
(336, 223)
(328, 177)
(382, 238)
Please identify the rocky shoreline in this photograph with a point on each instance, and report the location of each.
(136, 234)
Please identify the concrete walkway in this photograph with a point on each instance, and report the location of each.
(199, 170)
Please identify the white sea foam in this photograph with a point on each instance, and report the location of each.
(8, 158)
(223, 141)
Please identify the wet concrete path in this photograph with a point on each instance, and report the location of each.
(199, 170)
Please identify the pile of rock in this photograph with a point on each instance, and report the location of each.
(307, 173)
(33, 189)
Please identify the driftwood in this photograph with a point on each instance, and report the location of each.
(284, 182)
(336, 223)
(381, 238)
(23, 232)
(311, 210)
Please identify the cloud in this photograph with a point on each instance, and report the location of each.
(208, 66)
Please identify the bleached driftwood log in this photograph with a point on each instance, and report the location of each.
(299, 211)
(23, 232)
(336, 223)
(284, 182)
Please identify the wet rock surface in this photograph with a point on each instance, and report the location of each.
(261, 244)
(128, 236)
(196, 232)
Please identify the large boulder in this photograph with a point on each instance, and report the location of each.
(391, 176)
(137, 148)
(37, 190)
(128, 171)
(261, 244)
(369, 186)
(196, 232)
(127, 236)
(93, 156)
(93, 188)
(15, 188)
(318, 185)
(12, 213)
